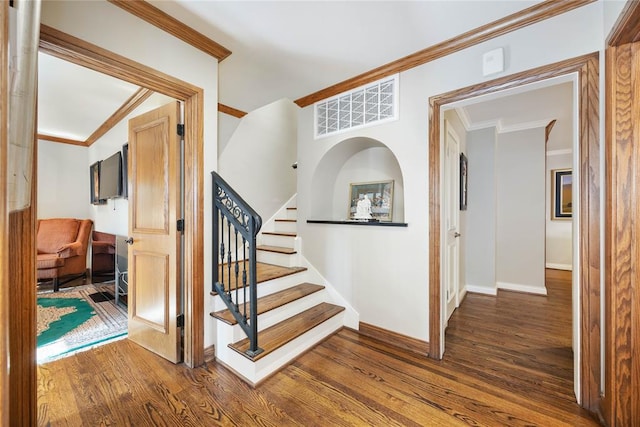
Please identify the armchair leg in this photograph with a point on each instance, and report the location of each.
(56, 285)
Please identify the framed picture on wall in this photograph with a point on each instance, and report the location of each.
(371, 201)
(464, 169)
(94, 184)
(561, 194)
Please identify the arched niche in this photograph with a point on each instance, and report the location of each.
(354, 160)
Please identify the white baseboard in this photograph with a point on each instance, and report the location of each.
(522, 288)
(555, 266)
(481, 290)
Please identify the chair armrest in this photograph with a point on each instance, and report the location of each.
(103, 247)
(69, 250)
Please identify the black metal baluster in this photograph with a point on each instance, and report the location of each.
(244, 277)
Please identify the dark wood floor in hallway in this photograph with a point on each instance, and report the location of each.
(508, 362)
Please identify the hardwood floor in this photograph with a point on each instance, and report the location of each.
(507, 363)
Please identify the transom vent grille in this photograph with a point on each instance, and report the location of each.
(360, 107)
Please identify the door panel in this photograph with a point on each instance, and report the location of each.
(451, 219)
(154, 293)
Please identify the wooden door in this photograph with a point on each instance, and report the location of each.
(154, 193)
(451, 216)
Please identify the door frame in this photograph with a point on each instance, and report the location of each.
(80, 52)
(620, 405)
(587, 69)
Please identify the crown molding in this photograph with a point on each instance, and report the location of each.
(171, 25)
(515, 21)
(231, 111)
(129, 105)
(51, 138)
(559, 152)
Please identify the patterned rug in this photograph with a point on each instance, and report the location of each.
(78, 319)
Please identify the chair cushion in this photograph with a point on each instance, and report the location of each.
(53, 234)
(49, 261)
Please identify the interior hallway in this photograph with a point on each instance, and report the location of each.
(508, 362)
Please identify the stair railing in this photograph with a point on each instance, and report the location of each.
(235, 227)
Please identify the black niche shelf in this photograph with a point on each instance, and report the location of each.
(364, 223)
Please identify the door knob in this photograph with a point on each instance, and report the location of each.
(456, 234)
(129, 241)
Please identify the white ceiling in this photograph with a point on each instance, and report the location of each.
(525, 110)
(290, 49)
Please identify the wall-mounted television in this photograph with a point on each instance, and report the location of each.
(111, 176)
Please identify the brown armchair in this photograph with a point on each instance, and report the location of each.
(62, 249)
(103, 255)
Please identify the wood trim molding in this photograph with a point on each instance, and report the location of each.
(51, 138)
(168, 23)
(587, 69)
(539, 12)
(129, 105)
(548, 129)
(231, 111)
(72, 49)
(627, 26)
(5, 391)
(621, 406)
(394, 338)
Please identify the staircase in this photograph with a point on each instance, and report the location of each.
(294, 312)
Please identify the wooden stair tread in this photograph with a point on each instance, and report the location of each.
(264, 273)
(280, 334)
(273, 301)
(280, 233)
(278, 249)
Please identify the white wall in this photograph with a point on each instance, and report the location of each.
(63, 181)
(227, 125)
(257, 160)
(367, 264)
(110, 27)
(559, 244)
(520, 214)
(480, 266)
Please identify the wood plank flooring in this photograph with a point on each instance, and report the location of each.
(507, 363)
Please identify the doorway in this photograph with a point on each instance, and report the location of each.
(588, 271)
(69, 48)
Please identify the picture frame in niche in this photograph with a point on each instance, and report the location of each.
(94, 184)
(464, 174)
(561, 194)
(371, 201)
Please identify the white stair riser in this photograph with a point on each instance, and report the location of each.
(255, 372)
(292, 214)
(285, 227)
(278, 240)
(277, 258)
(270, 286)
(266, 320)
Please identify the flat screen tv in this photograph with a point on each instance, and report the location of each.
(111, 177)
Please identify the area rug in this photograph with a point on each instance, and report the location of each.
(77, 319)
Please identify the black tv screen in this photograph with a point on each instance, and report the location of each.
(111, 177)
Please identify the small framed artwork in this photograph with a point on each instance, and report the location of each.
(371, 201)
(561, 194)
(464, 170)
(94, 184)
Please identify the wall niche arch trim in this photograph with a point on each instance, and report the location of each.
(357, 159)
